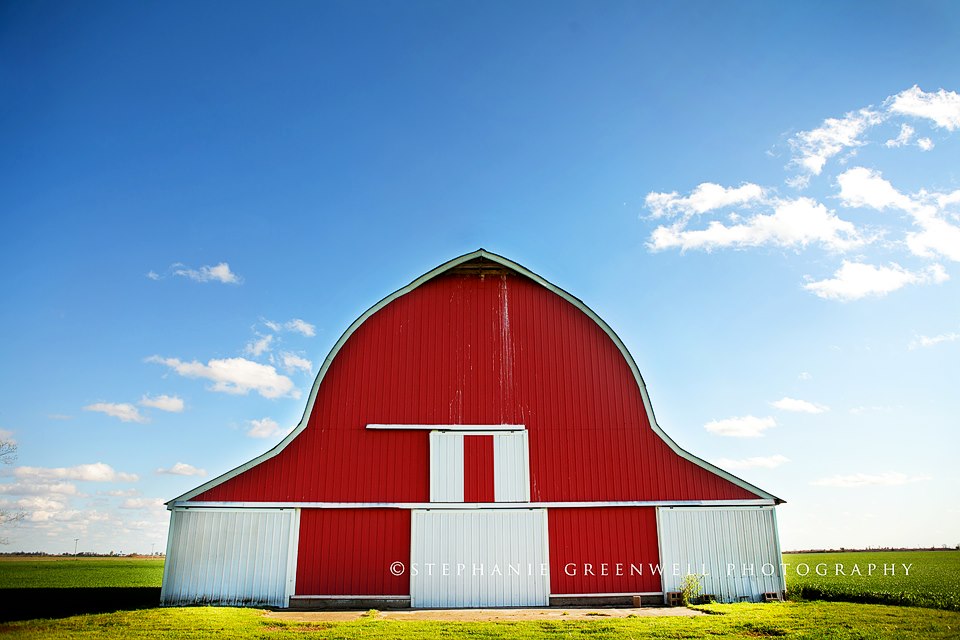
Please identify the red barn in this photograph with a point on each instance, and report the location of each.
(478, 438)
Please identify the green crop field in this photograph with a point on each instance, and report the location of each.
(17, 572)
(913, 578)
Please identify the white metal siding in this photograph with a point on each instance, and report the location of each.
(451, 549)
(446, 467)
(231, 557)
(735, 549)
(511, 467)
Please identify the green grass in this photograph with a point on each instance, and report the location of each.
(933, 581)
(793, 620)
(68, 572)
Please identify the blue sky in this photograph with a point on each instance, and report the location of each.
(762, 199)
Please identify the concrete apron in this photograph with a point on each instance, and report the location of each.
(486, 615)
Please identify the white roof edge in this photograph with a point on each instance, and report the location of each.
(446, 266)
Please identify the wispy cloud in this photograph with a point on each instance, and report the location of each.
(266, 428)
(173, 404)
(257, 347)
(216, 273)
(860, 480)
(292, 362)
(123, 411)
(706, 197)
(931, 341)
(141, 503)
(182, 469)
(798, 406)
(94, 472)
(759, 462)
(813, 148)
(740, 427)
(296, 325)
(856, 280)
(234, 375)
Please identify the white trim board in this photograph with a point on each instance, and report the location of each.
(752, 504)
(486, 428)
(523, 271)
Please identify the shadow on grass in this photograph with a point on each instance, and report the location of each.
(27, 604)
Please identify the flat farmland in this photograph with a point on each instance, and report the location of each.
(911, 578)
(33, 572)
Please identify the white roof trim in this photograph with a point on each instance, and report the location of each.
(448, 427)
(711, 504)
(480, 253)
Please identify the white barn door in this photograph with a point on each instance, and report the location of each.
(479, 558)
(239, 557)
(735, 550)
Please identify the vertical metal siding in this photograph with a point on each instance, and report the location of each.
(601, 542)
(478, 475)
(446, 466)
(467, 349)
(723, 545)
(350, 551)
(511, 467)
(230, 557)
(451, 549)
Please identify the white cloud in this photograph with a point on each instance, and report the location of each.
(930, 341)
(759, 462)
(855, 280)
(120, 493)
(235, 375)
(257, 347)
(741, 427)
(183, 469)
(266, 428)
(123, 411)
(95, 472)
(906, 133)
(794, 223)
(925, 144)
(799, 406)
(937, 237)
(302, 327)
(292, 362)
(804, 376)
(857, 480)
(813, 148)
(141, 503)
(39, 488)
(296, 325)
(217, 273)
(705, 197)
(860, 187)
(173, 404)
(942, 107)
(153, 275)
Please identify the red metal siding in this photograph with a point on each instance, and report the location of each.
(349, 552)
(478, 350)
(478, 481)
(603, 542)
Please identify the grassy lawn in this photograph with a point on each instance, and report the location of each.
(795, 620)
(933, 580)
(68, 572)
